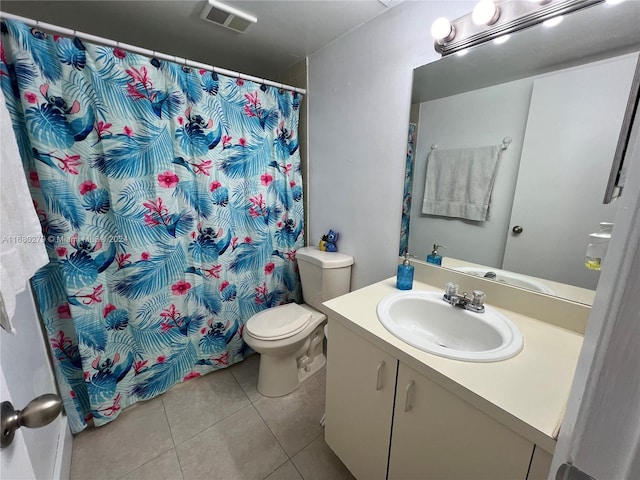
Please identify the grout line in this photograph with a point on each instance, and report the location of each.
(164, 409)
(274, 435)
(149, 461)
(171, 433)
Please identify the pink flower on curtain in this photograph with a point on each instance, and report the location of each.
(108, 309)
(61, 251)
(269, 267)
(64, 312)
(87, 186)
(35, 180)
(214, 185)
(119, 53)
(145, 256)
(191, 375)
(168, 179)
(31, 97)
(181, 287)
(69, 163)
(203, 167)
(266, 179)
(128, 131)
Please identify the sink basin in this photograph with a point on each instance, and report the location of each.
(510, 278)
(424, 320)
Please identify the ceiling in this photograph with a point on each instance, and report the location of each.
(286, 32)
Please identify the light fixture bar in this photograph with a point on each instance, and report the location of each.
(233, 10)
(514, 16)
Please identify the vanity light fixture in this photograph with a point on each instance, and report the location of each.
(495, 19)
(442, 30)
(485, 13)
(552, 22)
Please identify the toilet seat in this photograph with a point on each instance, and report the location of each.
(278, 323)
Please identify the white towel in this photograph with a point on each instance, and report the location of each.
(459, 182)
(22, 251)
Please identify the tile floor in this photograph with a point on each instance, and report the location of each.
(214, 427)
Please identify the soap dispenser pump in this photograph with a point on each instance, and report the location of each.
(404, 279)
(434, 257)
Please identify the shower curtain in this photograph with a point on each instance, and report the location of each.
(408, 185)
(171, 208)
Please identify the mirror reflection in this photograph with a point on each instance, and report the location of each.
(560, 96)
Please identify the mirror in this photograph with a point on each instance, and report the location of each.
(560, 94)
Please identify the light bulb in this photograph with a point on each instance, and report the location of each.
(442, 30)
(485, 13)
(552, 22)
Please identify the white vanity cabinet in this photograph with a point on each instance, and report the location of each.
(361, 381)
(386, 420)
(436, 435)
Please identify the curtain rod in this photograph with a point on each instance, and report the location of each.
(143, 51)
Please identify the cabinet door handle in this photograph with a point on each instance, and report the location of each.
(407, 392)
(379, 379)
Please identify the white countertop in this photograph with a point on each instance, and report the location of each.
(527, 393)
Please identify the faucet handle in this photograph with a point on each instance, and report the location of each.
(451, 289)
(478, 298)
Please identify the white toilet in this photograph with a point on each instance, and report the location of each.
(289, 337)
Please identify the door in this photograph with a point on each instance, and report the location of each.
(568, 147)
(45, 452)
(360, 391)
(438, 435)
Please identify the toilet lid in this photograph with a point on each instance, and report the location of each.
(279, 322)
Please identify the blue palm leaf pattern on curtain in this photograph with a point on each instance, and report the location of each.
(152, 275)
(142, 154)
(171, 205)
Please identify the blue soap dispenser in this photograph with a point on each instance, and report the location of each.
(405, 274)
(434, 257)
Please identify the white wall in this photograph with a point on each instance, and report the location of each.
(471, 119)
(359, 101)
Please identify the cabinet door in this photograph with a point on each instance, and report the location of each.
(437, 435)
(540, 464)
(360, 389)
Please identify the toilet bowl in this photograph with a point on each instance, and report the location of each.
(289, 352)
(289, 338)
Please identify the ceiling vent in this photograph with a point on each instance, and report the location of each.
(227, 16)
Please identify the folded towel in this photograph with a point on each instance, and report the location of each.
(459, 182)
(22, 251)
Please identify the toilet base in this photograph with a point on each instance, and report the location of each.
(279, 376)
(282, 373)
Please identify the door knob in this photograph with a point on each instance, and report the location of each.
(39, 412)
(517, 229)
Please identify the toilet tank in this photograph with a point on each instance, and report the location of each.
(324, 275)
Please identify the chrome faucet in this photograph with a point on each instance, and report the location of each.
(474, 304)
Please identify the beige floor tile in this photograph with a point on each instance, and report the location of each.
(199, 403)
(285, 472)
(295, 418)
(138, 435)
(239, 447)
(246, 373)
(164, 467)
(318, 462)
